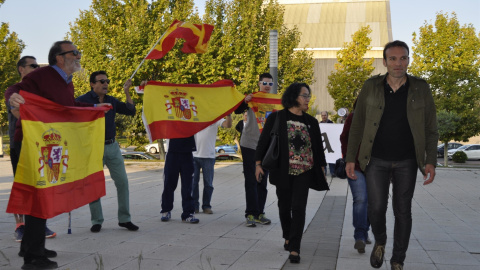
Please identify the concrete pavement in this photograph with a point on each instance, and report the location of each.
(445, 232)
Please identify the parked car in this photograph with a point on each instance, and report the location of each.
(226, 148)
(153, 147)
(471, 150)
(227, 156)
(451, 146)
(138, 156)
(468, 148)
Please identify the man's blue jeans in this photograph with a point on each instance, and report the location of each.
(207, 166)
(403, 175)
(360, 206)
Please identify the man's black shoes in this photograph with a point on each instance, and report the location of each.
(359, 246)
(376, 258)
(294, 258)
(96, 228)
(129, 225)
(40, 263)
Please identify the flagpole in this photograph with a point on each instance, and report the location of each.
(131, 77)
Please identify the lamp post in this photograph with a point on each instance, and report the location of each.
(274, 59)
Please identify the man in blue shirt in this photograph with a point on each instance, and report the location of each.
(112, 156)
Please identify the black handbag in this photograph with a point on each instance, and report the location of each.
(340, 168)
(270, 160)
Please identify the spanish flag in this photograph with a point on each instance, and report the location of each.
(196, 38)
(181, 110)
(263, 104)
(61, 160)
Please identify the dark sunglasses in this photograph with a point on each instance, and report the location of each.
(265, 83)
(74, 52)
(102, 81)
(32, 66)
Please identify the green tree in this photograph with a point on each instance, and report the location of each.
(230, 135)
(10, 49)
(447, 56)
(116, 35)
(239, 47)
(351, 71)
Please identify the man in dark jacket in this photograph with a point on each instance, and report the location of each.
(112, 157)
(395, 126)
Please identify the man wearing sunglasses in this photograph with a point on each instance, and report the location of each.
(53, 82)
(255, 191)
(112, 156)
(25, 65)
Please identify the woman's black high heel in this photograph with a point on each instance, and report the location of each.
(294, 258)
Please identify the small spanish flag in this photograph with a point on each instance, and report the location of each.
(181, 110)
(61, 160)
(263, 104)
(196, 38)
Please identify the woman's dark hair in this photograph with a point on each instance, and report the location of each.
(289, 98)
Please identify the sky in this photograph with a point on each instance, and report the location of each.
(40, 23)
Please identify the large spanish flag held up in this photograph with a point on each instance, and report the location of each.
(196, 38)
(263, 104)
(181, 110)
(60, 166)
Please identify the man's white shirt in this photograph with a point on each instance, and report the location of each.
(205, 140)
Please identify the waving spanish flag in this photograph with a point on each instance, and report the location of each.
(60, 166)
(263, 104)
(181, 110)
(196, 38)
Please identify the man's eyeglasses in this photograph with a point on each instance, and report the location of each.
(32, 66)
(102, 81)
(305, 96)
(265, 83)
(74, 52)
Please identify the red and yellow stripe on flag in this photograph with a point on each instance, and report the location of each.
(60, 166)
(181, 110)
(263, 104)
(196, 38)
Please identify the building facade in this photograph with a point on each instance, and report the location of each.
(327, 24)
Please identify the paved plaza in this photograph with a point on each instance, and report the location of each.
(445, 235)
